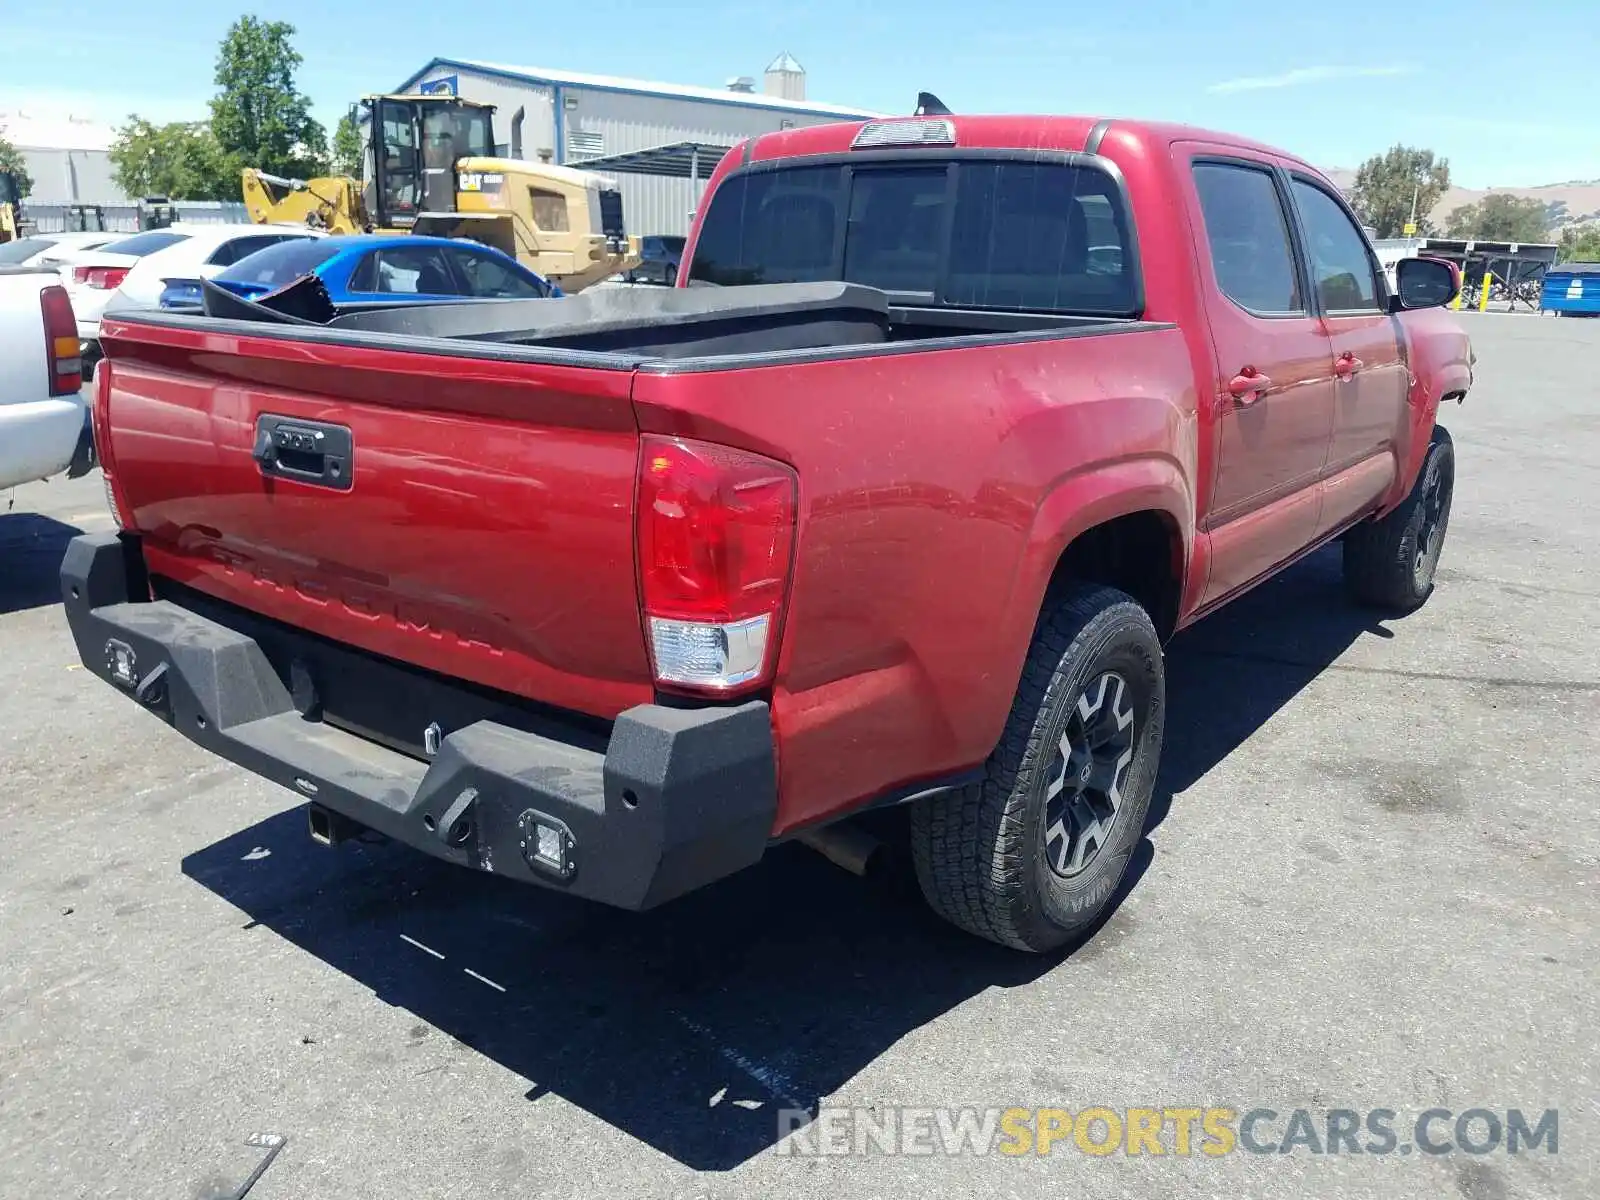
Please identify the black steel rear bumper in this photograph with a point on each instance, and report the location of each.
(677, 798)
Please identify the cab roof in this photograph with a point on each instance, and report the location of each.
(1058, 133)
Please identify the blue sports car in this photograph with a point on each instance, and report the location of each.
(372, 269)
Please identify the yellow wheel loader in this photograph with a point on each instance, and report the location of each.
(10, 208)
(429, 167)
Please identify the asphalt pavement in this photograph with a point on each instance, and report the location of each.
(1370, 882)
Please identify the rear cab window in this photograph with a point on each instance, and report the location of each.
(976, 232)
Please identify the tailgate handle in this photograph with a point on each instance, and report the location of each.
(310, 452)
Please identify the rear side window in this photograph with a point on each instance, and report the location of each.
(978, 233)
(1340, 265)
(405, 271)
(141, 244)
(1249, 238)
(485, 275)
(280, 263)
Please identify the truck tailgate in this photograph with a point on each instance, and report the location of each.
(482, 527)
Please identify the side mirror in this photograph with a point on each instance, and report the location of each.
(1424, 283)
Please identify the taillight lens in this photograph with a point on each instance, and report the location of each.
(61, 342)
(715, 543)
(102, 278)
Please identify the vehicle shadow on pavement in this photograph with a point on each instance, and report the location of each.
(1231, 672)
(690, 1027)
(31, 548)
(693, 1026)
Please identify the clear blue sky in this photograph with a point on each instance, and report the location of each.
(1505, 91)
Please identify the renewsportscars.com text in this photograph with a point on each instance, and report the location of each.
(1184, 1131)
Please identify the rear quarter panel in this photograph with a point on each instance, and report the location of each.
(938, 488)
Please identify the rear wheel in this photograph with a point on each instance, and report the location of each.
(1031, 857)
(1390, 563)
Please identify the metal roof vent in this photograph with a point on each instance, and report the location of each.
(742, 83)
(785, 78)
(919, 131)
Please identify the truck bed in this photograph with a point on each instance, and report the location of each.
(662, 323)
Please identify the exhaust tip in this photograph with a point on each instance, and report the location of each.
(846, 845)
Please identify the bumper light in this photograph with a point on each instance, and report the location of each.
(546, 844)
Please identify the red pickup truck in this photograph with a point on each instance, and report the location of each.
(951, 422)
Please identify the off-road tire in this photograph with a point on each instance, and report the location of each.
(980, 851)
(1390, 563)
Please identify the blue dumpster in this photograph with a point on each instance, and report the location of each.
(1572, 289)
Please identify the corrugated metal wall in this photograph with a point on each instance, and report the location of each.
(620, 122)
(607, 122)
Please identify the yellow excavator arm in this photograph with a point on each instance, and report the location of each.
(332, 202)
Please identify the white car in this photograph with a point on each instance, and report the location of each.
(44, 425)
(133, 267)
(51, 249)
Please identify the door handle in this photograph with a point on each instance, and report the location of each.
(310, 452)
(1346, 365)
(1248, 386)
(265, 450)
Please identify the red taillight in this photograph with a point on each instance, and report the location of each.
(61, 342)
(103, 278)
(715, 541)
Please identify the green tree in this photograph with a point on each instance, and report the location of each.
(347, 157)
(1387, 183)
(11, 160)
(1500, 217)
(258, 116)
(1580, 243)
(181, 160)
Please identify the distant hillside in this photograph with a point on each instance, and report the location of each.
(1567, 203)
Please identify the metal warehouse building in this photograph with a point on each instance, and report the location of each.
(68, 159)
(603, 123)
